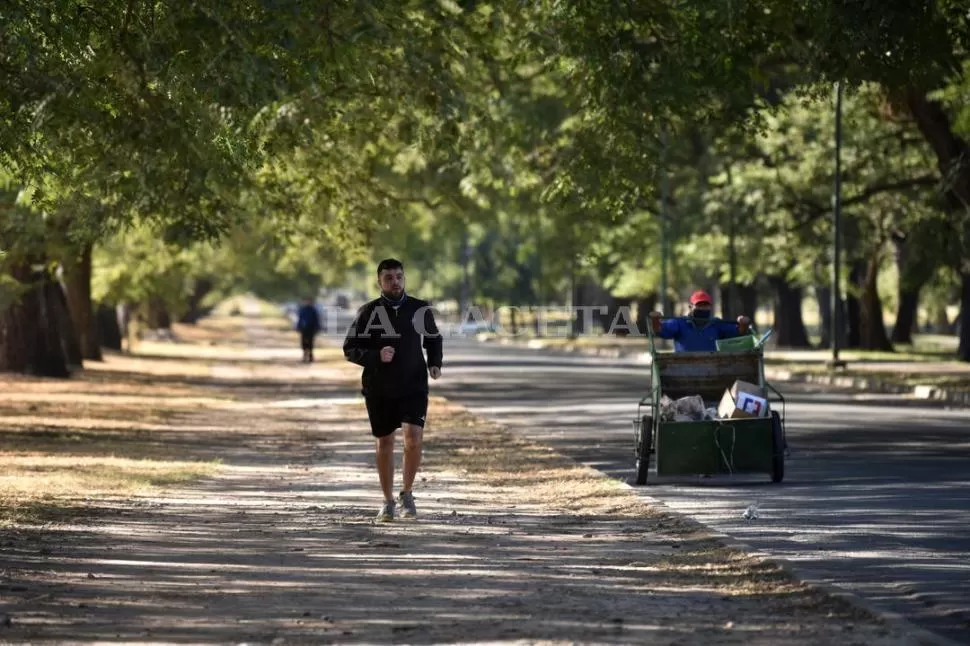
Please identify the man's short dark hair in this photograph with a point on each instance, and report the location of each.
(389, 263)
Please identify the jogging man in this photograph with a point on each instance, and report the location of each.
(700, 330)
(388, 338)
(308, 325)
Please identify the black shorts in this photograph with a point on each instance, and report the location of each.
(386, 414)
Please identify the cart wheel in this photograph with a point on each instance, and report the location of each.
(777, 448)
(644, 448)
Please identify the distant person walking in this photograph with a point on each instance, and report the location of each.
(308, 325)
(388, 338)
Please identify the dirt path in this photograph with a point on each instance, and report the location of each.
(514, 543)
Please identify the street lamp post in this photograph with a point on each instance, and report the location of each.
(663, 225)
(837, 324)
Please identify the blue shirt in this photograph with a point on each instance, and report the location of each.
(701, 336)
(308, 320)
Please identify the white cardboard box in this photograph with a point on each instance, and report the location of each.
(743, 400)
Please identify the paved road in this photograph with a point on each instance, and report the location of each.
(876, 496)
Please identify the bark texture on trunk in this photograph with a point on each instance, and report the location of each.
(195, 311)
(16, 342)
(872, 327)
(616, 305)
(730, 302)
(906, 316)
(645, 305)
(853, 307)
(952, 153)
(108, 328)
(748, 297)
(77, 280)
(915, 268)
(157, 315)
(789, 324)
(32, 329)
(70, 340)
(589, 293)
(951, 150)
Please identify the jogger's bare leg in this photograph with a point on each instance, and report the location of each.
(413, 436)
(385, 465)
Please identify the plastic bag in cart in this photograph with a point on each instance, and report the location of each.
(685, 409)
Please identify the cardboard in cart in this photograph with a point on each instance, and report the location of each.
(743, 400)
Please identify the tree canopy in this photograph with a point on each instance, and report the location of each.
(508, 149)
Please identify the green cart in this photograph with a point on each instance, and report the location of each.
(709, 446)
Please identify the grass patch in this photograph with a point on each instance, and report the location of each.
(139, 422)
(45, 487)
(910, 379)
(52, 461)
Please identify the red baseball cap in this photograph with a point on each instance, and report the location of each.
(700, 296)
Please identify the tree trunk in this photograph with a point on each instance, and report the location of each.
(50, 356)
(853, 308)
(16, 339)
(577, 325)
(906, 316)
(645, 305)
(872, 326)
(77, 279)
(789, 325)
(729, 294)
(729, 302)
(748, 297)
(109, 331)
(613, 309)
(913, 275)
(951, 153)
(67, 331)
(963, 353)
(158, 317)
(941, 322)
(195, 311)
(589, 293)
(951, 150)
(31, 336)
(823, 295)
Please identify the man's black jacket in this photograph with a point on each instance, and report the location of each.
(407, 329)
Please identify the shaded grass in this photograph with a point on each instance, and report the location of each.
(48, 463)
(33, 488)
(139, 422)
(909, 379)
(57, 453)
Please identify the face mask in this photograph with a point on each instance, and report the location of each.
(701, 314)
